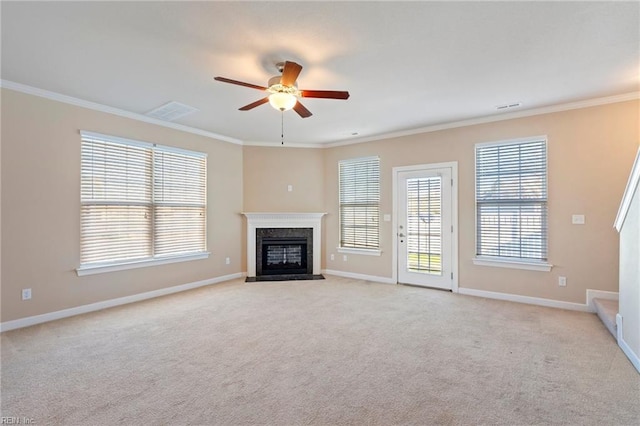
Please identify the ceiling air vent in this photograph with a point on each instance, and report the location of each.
(171, 111)
(508, 106)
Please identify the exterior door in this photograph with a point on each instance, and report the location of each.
(425, 228)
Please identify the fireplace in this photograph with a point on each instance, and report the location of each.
(284, 251)
(283, 246)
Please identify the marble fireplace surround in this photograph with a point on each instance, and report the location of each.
(283, 220)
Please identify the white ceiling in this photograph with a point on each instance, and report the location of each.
(407, 65)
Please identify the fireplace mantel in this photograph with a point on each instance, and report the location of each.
(282, 220)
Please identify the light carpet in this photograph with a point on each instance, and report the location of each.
(332, 352)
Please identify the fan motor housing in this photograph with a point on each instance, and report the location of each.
(274, 80)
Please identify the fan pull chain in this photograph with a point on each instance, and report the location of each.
(282, 127)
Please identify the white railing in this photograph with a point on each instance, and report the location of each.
(632, 186)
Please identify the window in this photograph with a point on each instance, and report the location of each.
(511, 200)
(140, 201)
(359, 181)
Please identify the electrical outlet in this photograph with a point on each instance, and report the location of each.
(344, 257)
(333, 256)
(26, 293)
(290, 188)
(227, 261)
(562, 281)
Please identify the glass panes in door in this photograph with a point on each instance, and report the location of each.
(424, 225)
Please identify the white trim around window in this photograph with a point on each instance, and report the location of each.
(114, 267)
(359, 204)
(512, 264)
(511, 204)
(366, 252)
(142, 204)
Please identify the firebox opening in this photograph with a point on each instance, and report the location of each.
(284, 256)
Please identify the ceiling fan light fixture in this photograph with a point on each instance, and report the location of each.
(283, 91)
(282, 101)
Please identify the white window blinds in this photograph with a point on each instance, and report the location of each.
(140, 201)
(424, 225)
(179, 203)
(511, 200)
(359, 181)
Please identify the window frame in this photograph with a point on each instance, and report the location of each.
(513, 262)
(96, 267)
(370, 251)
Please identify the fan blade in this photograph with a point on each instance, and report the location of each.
(327, 94)
(301, 110)
(239, 83)
(254, 104)
(290, 73)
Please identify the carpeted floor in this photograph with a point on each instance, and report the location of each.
(337, 351)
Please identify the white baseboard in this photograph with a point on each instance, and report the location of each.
(373, 278)
(633, 357)
(599, 294)
(550, 303)
(78, 310)
(480, 293)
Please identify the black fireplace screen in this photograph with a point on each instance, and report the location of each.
(284, 256)
(284, 251)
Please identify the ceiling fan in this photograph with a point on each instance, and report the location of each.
(283, 90)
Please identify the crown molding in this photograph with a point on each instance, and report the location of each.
(23, 88)
(285, 145)
(428, 129)
(493, 118)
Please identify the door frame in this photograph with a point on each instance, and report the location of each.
(453, 165)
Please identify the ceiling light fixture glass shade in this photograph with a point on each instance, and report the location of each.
(282, 101)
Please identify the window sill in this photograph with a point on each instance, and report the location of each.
(513, 264)
(99, 269)
(366, 252)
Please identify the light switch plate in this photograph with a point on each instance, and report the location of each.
(26, 294)
(577, 219)
(387, 218)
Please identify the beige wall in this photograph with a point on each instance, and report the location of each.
(590, 152)
(269, 170)
(590, 155)
(41, 207)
